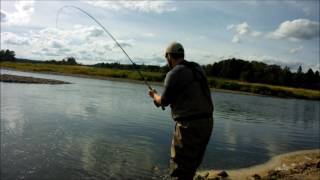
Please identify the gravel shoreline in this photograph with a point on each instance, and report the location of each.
(29, 80)
(299, 165)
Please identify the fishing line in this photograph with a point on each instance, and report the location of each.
(106, 31)
(114, 39)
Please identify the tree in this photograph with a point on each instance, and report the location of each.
(298, 78)
(310, 77)
(317, 76)
(71, 60)
(7, 55)
(286, 76)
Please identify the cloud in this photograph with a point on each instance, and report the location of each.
(8, 38)
(154, 59)
(299, 29)
(21, 15)
(82, 42)
(306, 11)
(55, 44)
(3, 16)
(256, 33)
(141, 6)
(149, 34)
(241, 30)
(295, 50)
(123, 44)
(89, 32)
(236, 39)
(296, 30)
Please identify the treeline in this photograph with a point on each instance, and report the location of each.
(116, 65)
(237, 69)
(234, 69)
(65, 61)
(8, 55)
(258, 72)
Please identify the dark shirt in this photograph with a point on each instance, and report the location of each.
(185, 93)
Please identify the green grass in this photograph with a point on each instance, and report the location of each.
(264, 89)
(256, 88)
(82, 70)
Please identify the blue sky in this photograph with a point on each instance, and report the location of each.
(276, 32)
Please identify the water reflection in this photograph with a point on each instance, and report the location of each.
(99, 129)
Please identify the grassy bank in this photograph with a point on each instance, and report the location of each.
(264, 89)
(218, 83)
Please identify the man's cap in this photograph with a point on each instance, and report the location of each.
(175, 48)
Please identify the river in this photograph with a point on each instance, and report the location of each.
(101, 129)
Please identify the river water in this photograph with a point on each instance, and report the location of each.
(101, 129)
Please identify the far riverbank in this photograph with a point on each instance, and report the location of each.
(157, 78)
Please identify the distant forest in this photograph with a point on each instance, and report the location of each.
(234, 69)
(249, 71)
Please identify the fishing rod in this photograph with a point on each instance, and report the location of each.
(114, 39)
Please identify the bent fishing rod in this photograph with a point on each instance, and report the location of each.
(114, 39)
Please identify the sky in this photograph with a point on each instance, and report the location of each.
(282, 32)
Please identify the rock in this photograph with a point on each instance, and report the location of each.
(206, 175)
(199, 177)
(255, 177)
(223, 174)
(155, 168)
(273, 174)
(308, 158)
(214, 178)
(318, 164)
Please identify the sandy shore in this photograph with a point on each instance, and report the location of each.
(299, 165)
(26, 79)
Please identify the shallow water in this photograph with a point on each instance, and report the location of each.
(99, 129)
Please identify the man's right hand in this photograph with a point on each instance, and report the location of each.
(152, 93)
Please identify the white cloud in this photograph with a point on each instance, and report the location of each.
(236, 39)
(296, 30)
(295, 50)
(141, 6)
(149, 34)
(82, 42)
(240, 30)
(256, 33)
(8, 38)
(21, 15)
(299, 29)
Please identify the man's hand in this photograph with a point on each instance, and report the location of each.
(156, 98)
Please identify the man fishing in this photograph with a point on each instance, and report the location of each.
(187, 92)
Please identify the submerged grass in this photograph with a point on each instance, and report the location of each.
(256, 88)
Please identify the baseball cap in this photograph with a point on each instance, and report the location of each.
(175, 48)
